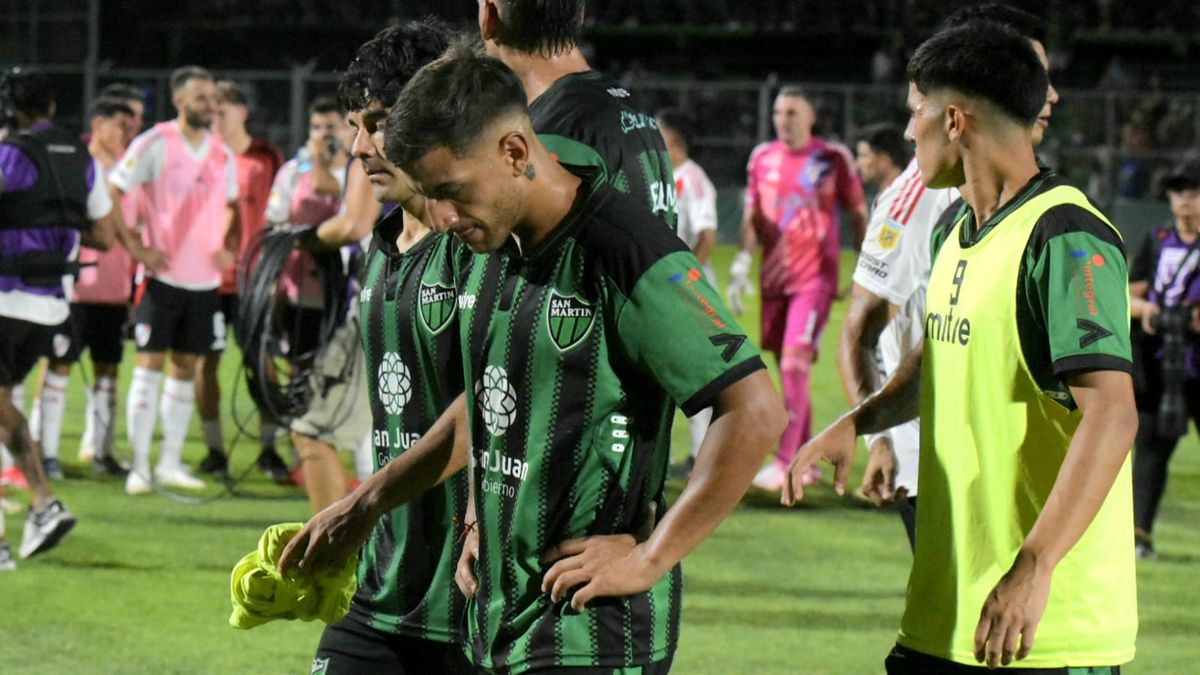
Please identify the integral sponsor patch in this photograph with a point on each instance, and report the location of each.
(569, 319)
(888, 236)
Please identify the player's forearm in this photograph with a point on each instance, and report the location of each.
(358, 218)
(858, 217)
(1138, 290)
(749, 239)
(102, 233)
(233, 228)
(1094, 459)
(440, 453)
(747, 422)
(865, 320)
(324, 182)
(704, 245)
(896, 402)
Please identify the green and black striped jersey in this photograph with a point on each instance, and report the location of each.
(414, 369)
(576, 355)
(587, 120)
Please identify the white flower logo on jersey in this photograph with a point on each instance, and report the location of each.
(395, 385)
(496, 399)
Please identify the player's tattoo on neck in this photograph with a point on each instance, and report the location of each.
(529, 172)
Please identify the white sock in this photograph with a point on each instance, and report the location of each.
(213, 437)
(698, 424)
(102, 413)
(54, 405)
(175, 414)
(140, 416)
(87, 442)
(266, 433)
(35, 419)
(364, 462)
(6, 458)
(18, 397)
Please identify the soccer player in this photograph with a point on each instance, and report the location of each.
(52, 198)
(794, 187)
(1025, 524)
(581, 329)
(99, 313)
(581, 115)
(133, 98)
(696, 224)
(187, 181)
(406, 615)
(257, 161)
(893, 269)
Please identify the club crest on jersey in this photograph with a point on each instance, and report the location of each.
(437, 306)
(320, 666)
(569, 319)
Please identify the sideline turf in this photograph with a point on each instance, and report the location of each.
(142, 584)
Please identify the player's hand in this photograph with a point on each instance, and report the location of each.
(464, 574)
(153, 259)
(879, 480)
(836, 445)
(1011, 613)
(600, 566)
(1149, 311)
(224, 259)
(318, 151)
(330, 537)
(739, 282)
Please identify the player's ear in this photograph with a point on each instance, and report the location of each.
(514, 148)
(954, 120)
(489, 19)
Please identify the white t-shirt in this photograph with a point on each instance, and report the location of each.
(894, 265)
(696, 202)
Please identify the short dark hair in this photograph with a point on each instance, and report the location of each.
(323, 105)
(125, 92)
(793, 90)
(451, 102)
(181, 76)
(1010, 17)
(385, 63)
(678, 121)
(109, 107)
(543, 27)
(27, 91)
(232, 92)
(889, 140)
(984, 60)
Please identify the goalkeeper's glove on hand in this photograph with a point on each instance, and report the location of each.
(739, 282)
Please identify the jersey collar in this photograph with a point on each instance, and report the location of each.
(969, 234)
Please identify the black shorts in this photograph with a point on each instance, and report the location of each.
(229, 307)
(905, 661)
(22, 343)
(176, 319)
(95, 327)
(350, 648)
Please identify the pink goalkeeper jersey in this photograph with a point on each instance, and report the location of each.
(185, 193)
(794, 197)
(110, 280)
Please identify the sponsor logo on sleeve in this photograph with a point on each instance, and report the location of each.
(688, 280)
(631, 121)
(1092, 332)
(872, 265)
(618, 92)
(1088, 263)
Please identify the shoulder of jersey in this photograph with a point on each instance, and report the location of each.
(620, 225)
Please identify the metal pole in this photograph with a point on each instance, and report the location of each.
(93, 58)
(33, 32)
(764, 107)
(296, 120)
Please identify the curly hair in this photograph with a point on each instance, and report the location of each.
(385, 63)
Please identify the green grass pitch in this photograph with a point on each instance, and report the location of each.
(142, 584)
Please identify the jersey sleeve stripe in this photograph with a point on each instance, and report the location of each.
(912, 207)
(898, 205)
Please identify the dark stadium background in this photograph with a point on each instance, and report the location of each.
(1126, 69)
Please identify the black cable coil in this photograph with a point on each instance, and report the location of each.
(277, 376)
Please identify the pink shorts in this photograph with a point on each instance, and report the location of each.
(795, 321)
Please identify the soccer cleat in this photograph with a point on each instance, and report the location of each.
(178, 477)
(769, 478)
(105, 465)
(87, 450)
(682, 470)
(137, 483)
(1143, 545)
(215, 464)
(7, 562)
(52, 468)
(273, 467)
(45, 528)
